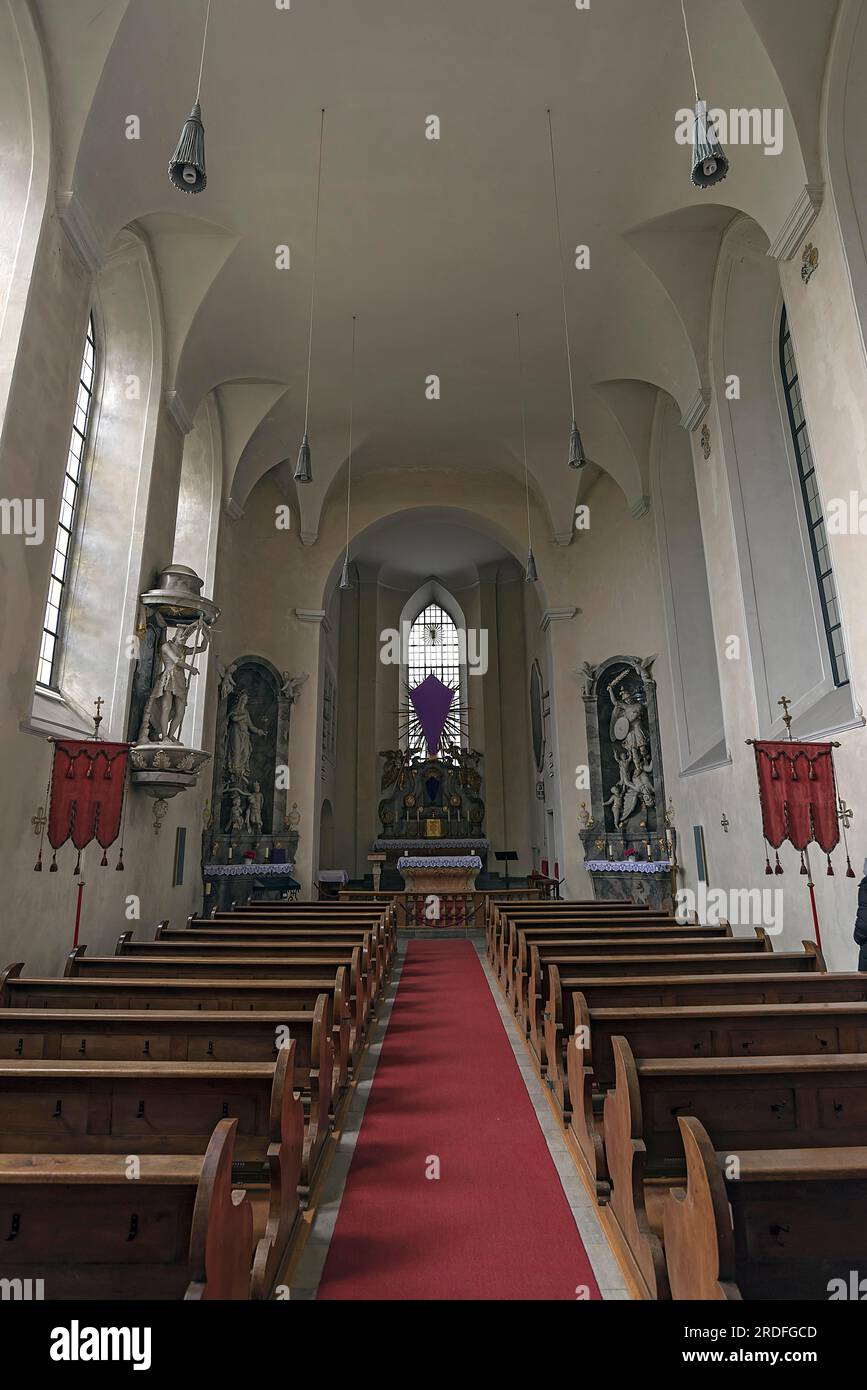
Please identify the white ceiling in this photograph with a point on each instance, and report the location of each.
(433, 244)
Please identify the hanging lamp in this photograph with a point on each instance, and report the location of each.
(187, 164)
(303, 471)
(709, 160)
(345, 582)
(530, 574)
(577, 457)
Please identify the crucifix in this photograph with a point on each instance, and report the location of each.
(97, 718)
(844, 814)
(787, 718)
(40, 820)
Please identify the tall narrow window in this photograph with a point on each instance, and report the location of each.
(821, 551)
(434, 650)
(63, 544)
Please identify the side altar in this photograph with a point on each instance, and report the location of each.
(630, 844)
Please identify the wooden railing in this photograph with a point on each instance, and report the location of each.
(446, 910)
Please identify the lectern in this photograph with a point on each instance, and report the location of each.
(507, 857)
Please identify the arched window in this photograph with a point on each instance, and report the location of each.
(63, 545)
(819, 547)
(434, 650)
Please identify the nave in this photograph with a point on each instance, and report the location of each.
(704, 1135)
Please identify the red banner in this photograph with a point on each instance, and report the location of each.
(798, 793)
(87, 785)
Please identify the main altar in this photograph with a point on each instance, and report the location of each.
(431, 807)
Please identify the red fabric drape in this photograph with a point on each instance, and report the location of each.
(87, 784)
(798, 793)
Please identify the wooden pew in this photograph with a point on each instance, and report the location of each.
(516, 938)
(309, 926)
(625, 964)
(790, 1224)
(114, 1035)
(200, 995)
(625, 992)
(743, 1102)
(138, 1108)
(79, 1224)
(532, 951)
(504, 933)
(321, 967)
(273, 933)
(307, 914)
(296, 951)
(721, 1030)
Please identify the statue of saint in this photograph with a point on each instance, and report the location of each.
(627, 720)
(254, 810)
(241, 726)
(167, 702)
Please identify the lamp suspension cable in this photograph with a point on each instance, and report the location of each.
(689, 49)
(204, 44)
(560, 261)
(315, 257)
(523, 425)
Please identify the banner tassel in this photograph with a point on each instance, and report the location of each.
(803, 865)
(830, 869)
(77, 869)
(850, 872)
(779, 868)
(53, 868)
(103, 863)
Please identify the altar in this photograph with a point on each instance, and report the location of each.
(440, 873)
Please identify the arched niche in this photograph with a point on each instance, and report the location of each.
(683, 572)
(782, 611)
(269, 709)
(97, 653)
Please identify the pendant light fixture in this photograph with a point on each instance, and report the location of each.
(577, 457)
(303, 473)
(530, 575)
(344, 574)
(187, 165)
(709, 160)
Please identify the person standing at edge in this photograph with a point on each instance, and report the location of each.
(861, 921)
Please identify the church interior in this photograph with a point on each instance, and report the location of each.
(433, 457)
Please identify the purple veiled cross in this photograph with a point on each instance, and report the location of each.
(432, 701)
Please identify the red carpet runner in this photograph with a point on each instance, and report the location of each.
(495, 1224)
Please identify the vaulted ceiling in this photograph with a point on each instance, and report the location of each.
(433, 244)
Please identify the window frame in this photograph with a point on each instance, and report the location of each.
(449, 669)
(802, 447)
(69, 517)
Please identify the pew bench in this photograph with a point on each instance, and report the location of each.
(625, 965)
(276, 935)
(240, 970)
(734, 1030)
(79, 1224)
(202, 995)
(514, 955)
(139, 1108)
(743, 1102)
(791, 1226)
(505, 933)
(129, 1035)
(687, 991)
(535, 956)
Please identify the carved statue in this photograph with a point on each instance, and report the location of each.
(254, 809)
(627, 718)
(241, 727)
(227, 684)
(167, 703)
(292, 685)
(236, 812)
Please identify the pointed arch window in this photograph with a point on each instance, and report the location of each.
(61, 561)
(434, 649)
(819, 547)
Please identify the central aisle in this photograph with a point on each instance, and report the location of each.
(496, 1223)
